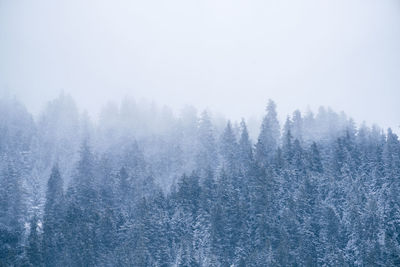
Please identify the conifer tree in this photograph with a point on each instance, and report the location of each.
(82, 212)
(11, 214)
(206, 150)
(268, 139)
(245, 148)
(228, 148)
(53, 219)
(34, 251)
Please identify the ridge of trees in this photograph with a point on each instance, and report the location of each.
(143, 188)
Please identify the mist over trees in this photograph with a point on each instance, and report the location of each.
(143, 187)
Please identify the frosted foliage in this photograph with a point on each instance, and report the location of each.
(142, 186)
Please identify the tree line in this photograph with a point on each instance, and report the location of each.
(318, 191)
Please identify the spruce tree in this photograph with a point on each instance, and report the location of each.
(83, 212)
(206, 156)
(11, 214)
(268, 139)
(245, 149)
(53, 219)
(228, 149)
(34, 251)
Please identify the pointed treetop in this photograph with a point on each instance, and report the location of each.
(244, 134)
(55, 182)
(271, 108)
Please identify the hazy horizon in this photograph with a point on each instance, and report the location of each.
(227, 56)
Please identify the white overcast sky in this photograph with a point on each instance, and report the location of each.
(226, 55)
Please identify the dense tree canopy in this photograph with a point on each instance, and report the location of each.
(143, 188)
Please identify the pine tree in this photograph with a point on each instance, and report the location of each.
(53, 219)
(392, 192)
(268, 139)
(245, 149)
(82, 212)
(34, 251)
(11, 214)
(206, 148)
(297, 126)
(228, 149)
(287, 141)
(314, 159)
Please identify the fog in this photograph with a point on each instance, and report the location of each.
(108, 159)
(227, 56)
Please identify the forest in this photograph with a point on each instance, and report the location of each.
(141, 186)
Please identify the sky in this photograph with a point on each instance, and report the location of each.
(229, 56)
